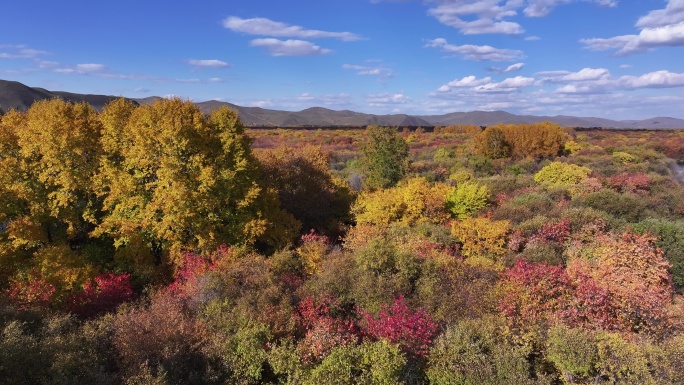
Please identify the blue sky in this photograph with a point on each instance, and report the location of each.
(620, 59)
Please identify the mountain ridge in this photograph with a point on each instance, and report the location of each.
(15, 95)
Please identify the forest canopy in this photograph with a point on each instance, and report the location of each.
(159, 244)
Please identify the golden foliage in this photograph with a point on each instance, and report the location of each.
(481, 237)
(416, 201)
(537, 140)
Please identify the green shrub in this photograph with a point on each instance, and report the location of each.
(476, 352)
(574, 353)
(370, 363)
(671, 239)
(467, 199)
(627, 207)
(558, 174)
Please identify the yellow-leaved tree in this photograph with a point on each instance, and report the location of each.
(49, 156)
(173, 179)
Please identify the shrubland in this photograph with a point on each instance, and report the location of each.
(157, 244)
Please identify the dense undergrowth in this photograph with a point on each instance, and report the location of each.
(157, 245)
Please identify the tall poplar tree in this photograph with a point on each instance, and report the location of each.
(385, 158)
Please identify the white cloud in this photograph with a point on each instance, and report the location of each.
(657, 79)
(672, 14)
(277, 47)
(516, 82)
(266, 27)
(386, 98)
(83, 69)
(43, 64)
(485, 85)
(593, 92)
(585, 74)
(511, 68)
(362, 70)
(469, 81)
(532, 38)
(472, 17)
(208, 63)
(488, 12)
(476, 52)
(539, 8)
(19, 51)
(659, 28)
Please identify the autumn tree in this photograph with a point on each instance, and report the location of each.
(492, 143)
(537, 140)
(306, 189)
(173, 178)
(50, 155)
(385, 157)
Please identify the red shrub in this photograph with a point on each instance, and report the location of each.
(192, 266)
(33, 290)
(628, 182)
(592, 307)
(555, 232)
(326, 326)
(102, 293)
(413, 330)
(534, 294)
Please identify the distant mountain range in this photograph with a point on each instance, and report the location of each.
(15, 95)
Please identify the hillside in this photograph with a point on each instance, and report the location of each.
(15, 95)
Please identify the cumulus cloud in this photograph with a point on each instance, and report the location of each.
(468, 81)
(472, 17)
(659, 28)
(511, 68)
(277, 47)
(476, 52)
(672, 14)
(586, 92)
(486, 85)
(266, 27)
(208, 63)
(657, 79)
(488, 13)
(585, 74)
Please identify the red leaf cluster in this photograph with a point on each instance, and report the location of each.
(101, 294)
(34, 290)
(630, 182)
(555, 232)
(413, 330)
(326, 325)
